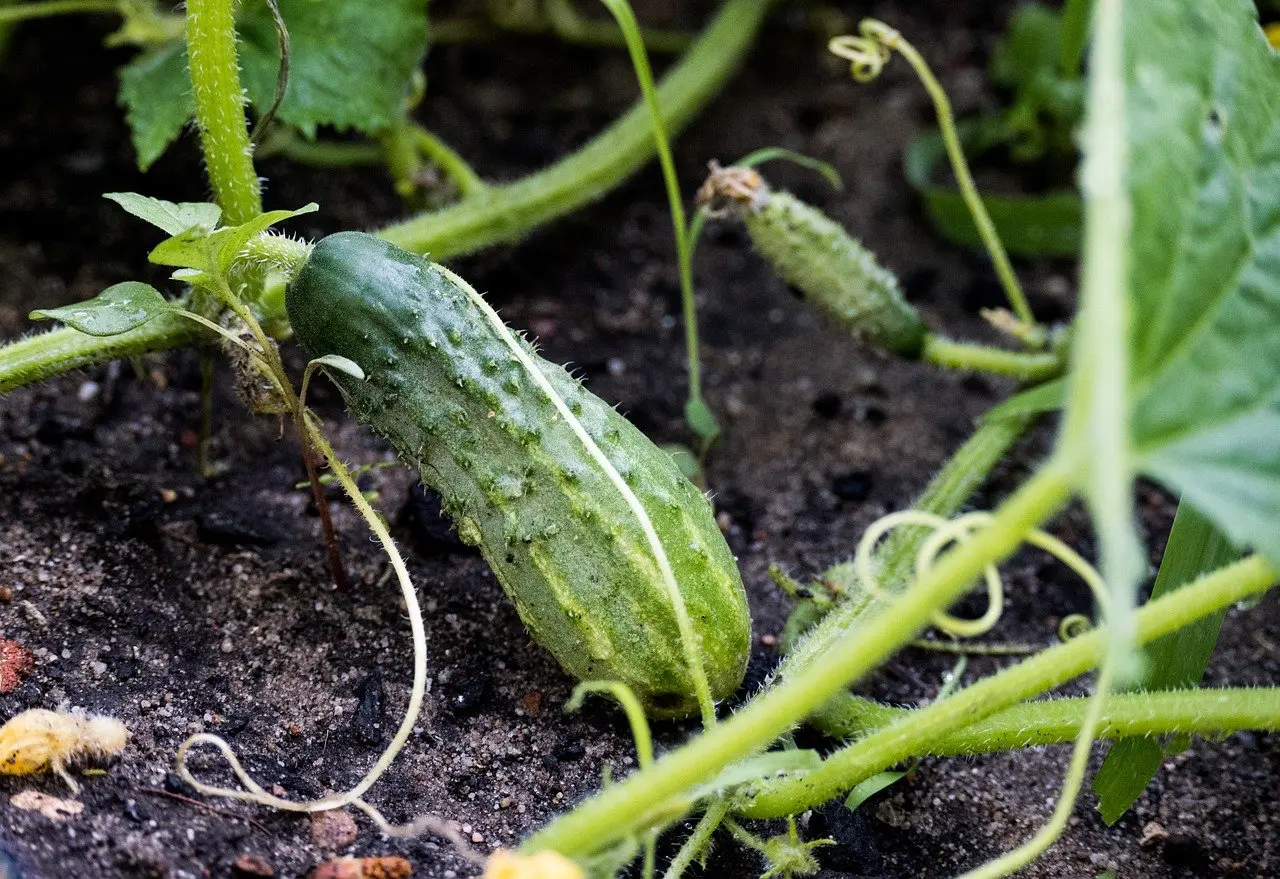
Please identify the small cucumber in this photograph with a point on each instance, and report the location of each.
(819, 258)
(451, 388)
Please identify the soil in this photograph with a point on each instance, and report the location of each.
(180, 605)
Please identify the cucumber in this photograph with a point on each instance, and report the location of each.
(814, 254)
(451, 388)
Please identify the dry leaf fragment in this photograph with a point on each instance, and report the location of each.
(54, 808)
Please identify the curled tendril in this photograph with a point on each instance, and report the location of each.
(1073, 626)
(869, 52)
(958, 530)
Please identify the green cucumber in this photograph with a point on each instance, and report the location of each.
(819, 258)
(519, 460)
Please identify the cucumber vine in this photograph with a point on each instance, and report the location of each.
(909, 568)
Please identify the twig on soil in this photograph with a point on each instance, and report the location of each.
(160, 792)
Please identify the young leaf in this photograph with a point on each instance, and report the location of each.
(1204, 121)
(342, 364)
(869, 787)
(350, 67)
(186, 249)
(1175, 661)
(702, 420)
(156, 95)
(116, 310)
(350, 62)
(172, 218)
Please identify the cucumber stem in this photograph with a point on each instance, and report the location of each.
(219, 103)
(918, 732)
(509, 211)
(63, 350)
(1205, 712)
(1026, 366)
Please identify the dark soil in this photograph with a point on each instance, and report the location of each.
(181, 605)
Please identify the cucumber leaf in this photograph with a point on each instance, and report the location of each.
(172, 218)
(156, 94)
(1203, 91)
(350, 66)
(117, 309)
(351, 62)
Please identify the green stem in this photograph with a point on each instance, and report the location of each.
(1026, 366)
(59, 351)
(219, 103)
(964, 179)
(1203, 712)
(621, 10)
(697, 842)
(917, 732)
(630, 806)
(319, 153)
(30, 11)
(448, 161)
(510, 211)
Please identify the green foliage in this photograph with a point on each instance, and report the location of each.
(166, 215)
(1204, 116)
(868, 788)
(1047, 99)
(116, 310)
(156, 95)
(350, 67)
(1037, 62)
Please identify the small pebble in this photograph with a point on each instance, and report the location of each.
(333, 830)
(253, 865)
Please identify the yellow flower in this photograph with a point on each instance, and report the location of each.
(544, 865)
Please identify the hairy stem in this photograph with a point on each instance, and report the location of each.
(1025, 366)
(451, 164)
(1203, 712)
(508, 212)
(916, 732)
(63, 350)
(219, 103)
(632, 805)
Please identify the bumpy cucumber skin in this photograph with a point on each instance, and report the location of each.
(817, 256)
(450, 395)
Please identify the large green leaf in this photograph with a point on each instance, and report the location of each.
(1204, 131)
(350, 60)
(350, 66)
